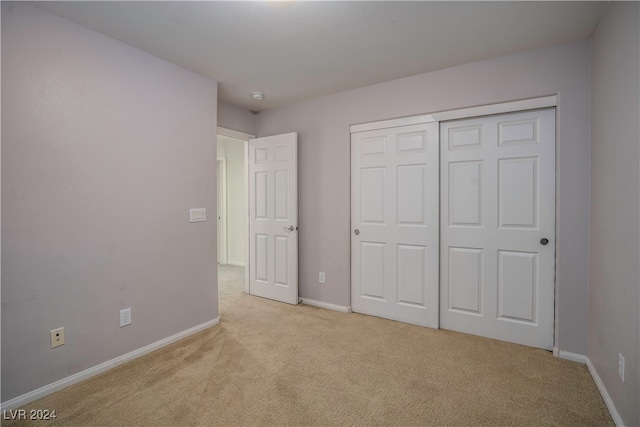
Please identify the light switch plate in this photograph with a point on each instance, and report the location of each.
(197, 215)
(621, 366)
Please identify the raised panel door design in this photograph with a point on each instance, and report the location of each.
(375, 145)
(517, 286)
(282, 260)
(465, 137)
(518, 132)
(497, 233)
(518, 192)
(262, 257)
(372, 197)
(282, 194)
(282, 153)
(261, 195)
(411, 274)
(465, 280)
(394, 223)
(372, 273)
(262, 155)
(411, 194)
(412, 143)
(465, 198)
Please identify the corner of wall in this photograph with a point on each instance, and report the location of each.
(237, 118)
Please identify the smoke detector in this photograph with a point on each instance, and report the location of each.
(257, 96)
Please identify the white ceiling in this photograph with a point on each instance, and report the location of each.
(293, 51)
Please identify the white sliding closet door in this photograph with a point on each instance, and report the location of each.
(498, 226)
(394, 219)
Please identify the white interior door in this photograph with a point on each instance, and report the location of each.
(394, 219)
(498, 226)
(273, 217)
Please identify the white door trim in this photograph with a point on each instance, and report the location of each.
(244, 137)
(222, 211)
(247, 261)
(461, 113)
(234, 134)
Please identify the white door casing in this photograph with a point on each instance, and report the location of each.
(394, 223)
(222, 211)
(497, 205)
(273, 218)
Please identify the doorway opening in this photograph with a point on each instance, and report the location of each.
(232, 214)
(257, 216)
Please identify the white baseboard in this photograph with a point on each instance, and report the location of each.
(236, 263)
(88, 373)
(102, 367)
(574, 357)
(328, 306)
(605, 395)
(581, 358)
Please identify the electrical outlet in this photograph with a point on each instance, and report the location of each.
(125, 317)
(321, 277)
(197, 215)
(621, 366)
(57, 337)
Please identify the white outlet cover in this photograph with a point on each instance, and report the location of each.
(57, 337)
(321, 277)
(125, 317)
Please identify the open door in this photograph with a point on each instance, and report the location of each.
(273, 217)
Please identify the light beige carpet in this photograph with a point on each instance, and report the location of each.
(269, 363)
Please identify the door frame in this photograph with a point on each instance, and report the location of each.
(243, 137)
(464, 113)
(222, 210)
(461, 113)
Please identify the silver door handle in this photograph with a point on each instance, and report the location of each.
(356, 231)
(289, 229)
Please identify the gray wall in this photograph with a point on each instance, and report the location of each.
(237, 118)
(324, 165)
(615, 206)
(104, 150)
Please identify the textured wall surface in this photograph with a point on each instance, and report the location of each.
(324, 165)
(614, 292)
(104, 150)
